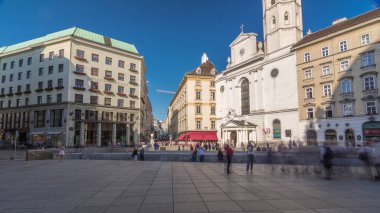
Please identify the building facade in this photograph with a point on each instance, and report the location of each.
(257, 92)
(338, 81)
(192, 112)
(72, 87)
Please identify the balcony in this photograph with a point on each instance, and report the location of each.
(2, 95)
(80, 58)
(93, 90)
(122, 94)
(27, 92)
(108, 92)
(133, 70)
(49, 88)
(133, 83)
(309, 100)
(79, 87)
(109, 78)
(347, 95)
(133, 96)
(79, 72)
(370, 92)
(18, 93)
(371, 66)
(39, 90)
(10, 94)
(59, 87)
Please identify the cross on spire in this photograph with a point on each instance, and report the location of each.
(242, 28)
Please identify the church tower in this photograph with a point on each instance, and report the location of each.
(282, 21)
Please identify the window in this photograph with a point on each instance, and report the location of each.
(308, 92)
(371, 107)
(59, 98)
(108, 74)
(27, 87)
(3, 79)
(19, 77)
(94, 71)
(79, 83)
(40, 85)
(212, 124)
(132, 91)
(60, 67)
(79, 68)
(306, 57)
(369, 83)
(212, 110)
(29, 61)
(132, 66)
(95, 57)
(60, 82)
(245, 106)
(327, 90)
(19, 88)
(42, 57)
(120, 76)
(121, 64)
(108, 87)
(120, 89)
(120, 102)
(50, 84)
(12, 64)
(326, 70)
(310, 113)
(344, 65)
(199, 124)
(9, 103)
(78, 98)
(1, 105)
(2, 91)
(198, 109)
(80, 54)
(365, 39)
(28, 73)
(108, 61)
(348, 110)
(212, 83)
(20, 62)
(273, 2)
(286, 17)
(197, 83)
(61, 53)
(308, 74)
(132, 79)
(48, 99)
(212, 95)
(273, 22)
(107, 101)
(50, 70)
(325, 51)
(367, 59)
(343, 46)
(27, 101)
(40, 71)
(198, 95)
(94, 85)
(346, 86)
(10, 90)
(131, 117)
(51, 55)
(10, 77)
(93, 99)
(328, 112)
(132, 104)
(4, 66)
(39, 100)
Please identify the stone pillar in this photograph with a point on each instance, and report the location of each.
(126, 135)
(99, 134)
(113, 134)
(81, 134)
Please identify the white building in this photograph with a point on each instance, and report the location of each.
(257, 92)
(72, 87)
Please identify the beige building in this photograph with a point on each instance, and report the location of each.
(337, 74)
(191, 114)
(73, 87)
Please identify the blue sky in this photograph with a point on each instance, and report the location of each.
(170, 34)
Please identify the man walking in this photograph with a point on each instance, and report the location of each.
(229, 152)
(326, 158)
(201, 154)
(250, 156)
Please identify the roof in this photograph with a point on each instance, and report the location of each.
(76, 32)
(339, 26)
(241, 123)
(205, 69)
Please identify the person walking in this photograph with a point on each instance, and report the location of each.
(194, 155)
(229, 153)
(142, 152)
(201, 154)
(219, 156)
(269, 155)
(134, 154)
(61, 152)
(326, 158)
(250, 156)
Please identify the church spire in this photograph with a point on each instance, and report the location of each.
(204, 58)
(242, 28)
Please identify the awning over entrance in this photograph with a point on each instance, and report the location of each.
(198, 136)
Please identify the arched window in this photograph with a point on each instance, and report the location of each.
(286, 17)
(273, 22)
(276, 128)
(245, 108)
(311, 137)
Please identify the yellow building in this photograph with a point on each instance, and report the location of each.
(191, 114)
(337, 75)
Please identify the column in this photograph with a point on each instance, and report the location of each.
(126, 135)
(113, 134)
(81, 134)
(99, 134)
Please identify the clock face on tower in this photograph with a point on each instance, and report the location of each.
(242, 51)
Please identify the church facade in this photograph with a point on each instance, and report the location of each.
(257, 92)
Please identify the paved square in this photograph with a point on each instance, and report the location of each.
(127, 186)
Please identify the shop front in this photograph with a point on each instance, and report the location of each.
(371, 130)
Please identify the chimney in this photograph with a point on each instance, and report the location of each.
(339, 20)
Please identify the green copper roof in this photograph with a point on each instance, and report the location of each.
(75, 31)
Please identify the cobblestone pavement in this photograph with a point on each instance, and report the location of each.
(127, 186)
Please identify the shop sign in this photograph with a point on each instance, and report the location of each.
(276, 133)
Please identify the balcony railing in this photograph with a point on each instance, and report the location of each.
(18, 93)
(80, 58)
(59, 87)
(371, 66)
(309, 100)
(108, 92)
(79, 72)
(79, 87)
(109, 78)
(49, 88)
(39, 90)
(370, 92)
(133, 96)
(27, 91)
(10, 94)
(347, 95)
(94, 90)
(122, 94)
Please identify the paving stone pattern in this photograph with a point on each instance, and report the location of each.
(127, 186)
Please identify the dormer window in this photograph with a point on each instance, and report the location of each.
(198, 71)
(273, 22)
(286, 17)
(212, 72)
(273, 2)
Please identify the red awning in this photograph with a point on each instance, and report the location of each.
(202, 136)
(182, 137)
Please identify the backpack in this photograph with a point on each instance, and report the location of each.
(328, 154)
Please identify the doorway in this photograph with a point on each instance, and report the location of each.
(233, 137)
(350, 138)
